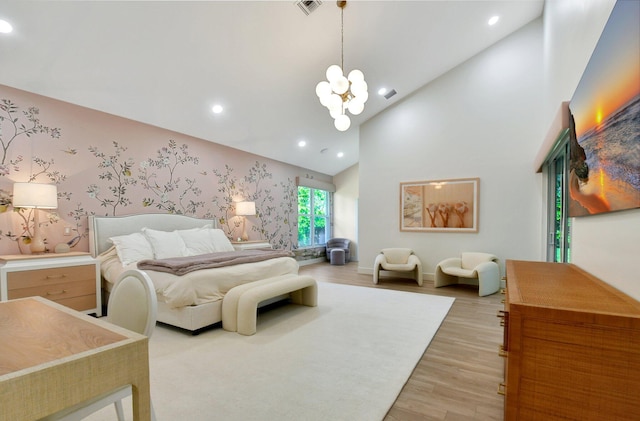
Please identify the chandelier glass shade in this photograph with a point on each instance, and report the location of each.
(340, 93)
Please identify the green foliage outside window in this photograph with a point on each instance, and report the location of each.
(313, 215)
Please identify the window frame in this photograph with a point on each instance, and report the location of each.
(313, 216)
(558, 229)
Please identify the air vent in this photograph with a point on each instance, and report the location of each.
(390, 94)
(308, 6)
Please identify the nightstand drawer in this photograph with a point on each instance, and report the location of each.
(73, 286)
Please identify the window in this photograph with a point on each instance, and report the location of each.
(558, 223)
(314, 216)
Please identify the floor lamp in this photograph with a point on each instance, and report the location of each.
(245, 209)
(35, 196)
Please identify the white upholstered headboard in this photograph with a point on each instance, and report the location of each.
(101, 228)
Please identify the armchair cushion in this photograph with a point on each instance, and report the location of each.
(471, 259)
(397, 255)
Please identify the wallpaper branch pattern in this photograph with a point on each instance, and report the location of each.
(117, 172)
(185, 175)
(163, 187)
(224, 203)
(16, 128)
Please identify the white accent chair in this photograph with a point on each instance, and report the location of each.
(397, 260)
(132, 305)
(481, 266)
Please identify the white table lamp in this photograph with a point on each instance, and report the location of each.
(35, 196)
(245, 209)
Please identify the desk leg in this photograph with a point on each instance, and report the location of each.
(140, 384)
(141, 404)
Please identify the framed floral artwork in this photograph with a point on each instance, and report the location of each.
(440, 205)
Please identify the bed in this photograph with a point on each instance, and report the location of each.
(192, 301)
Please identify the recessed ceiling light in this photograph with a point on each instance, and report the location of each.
(382, 91)
(493, 20)
(5, 27)
(340, 155)
(217, 109)
(302, 143)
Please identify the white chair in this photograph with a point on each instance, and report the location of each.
(397, 260)
(481, 266)
(133, 305)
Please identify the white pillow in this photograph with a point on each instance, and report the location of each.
(220, 241)
(198, 241)
(165, 244)
(132, 248)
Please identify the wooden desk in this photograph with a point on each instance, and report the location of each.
(53, 357)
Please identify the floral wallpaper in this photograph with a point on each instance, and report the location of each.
(107, 165)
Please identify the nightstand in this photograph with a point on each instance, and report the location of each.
(71, 279)
(249, 245)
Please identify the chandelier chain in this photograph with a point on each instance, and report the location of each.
(342, 37)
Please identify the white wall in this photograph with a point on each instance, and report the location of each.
(607, 245)
(345, 207)
(482, 119)
(488, 118)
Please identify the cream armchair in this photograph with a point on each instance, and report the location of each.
(481, 266)
(397, 260)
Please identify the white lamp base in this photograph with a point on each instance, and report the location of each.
(37, 243)
(37, 246)
(245, 236)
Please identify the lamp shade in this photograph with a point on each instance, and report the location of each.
(245, 208)
(35, 195)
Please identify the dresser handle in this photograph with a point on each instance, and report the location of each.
(64, 291)
(502, 315)
(502, 352)
(55, 276)
(501, 389)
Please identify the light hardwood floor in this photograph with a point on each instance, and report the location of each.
(458, 375)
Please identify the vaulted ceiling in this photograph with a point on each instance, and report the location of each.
(166, 63)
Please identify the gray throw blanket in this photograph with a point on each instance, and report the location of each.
(183, 265)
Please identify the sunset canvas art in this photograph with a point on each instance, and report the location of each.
(604, 172)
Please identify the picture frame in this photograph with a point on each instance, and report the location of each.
(440, 205)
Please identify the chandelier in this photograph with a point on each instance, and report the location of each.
(339, 93)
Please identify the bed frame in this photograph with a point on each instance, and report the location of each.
(101, 228)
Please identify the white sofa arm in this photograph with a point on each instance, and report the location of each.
(443, 279)
(378, 263)
(488, 278)
(414, 260)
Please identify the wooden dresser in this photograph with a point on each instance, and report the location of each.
(571, 346)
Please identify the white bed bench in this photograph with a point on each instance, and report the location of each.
(240, 304)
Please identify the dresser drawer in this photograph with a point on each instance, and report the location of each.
(73, 286)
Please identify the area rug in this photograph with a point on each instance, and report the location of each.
(346, 359)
